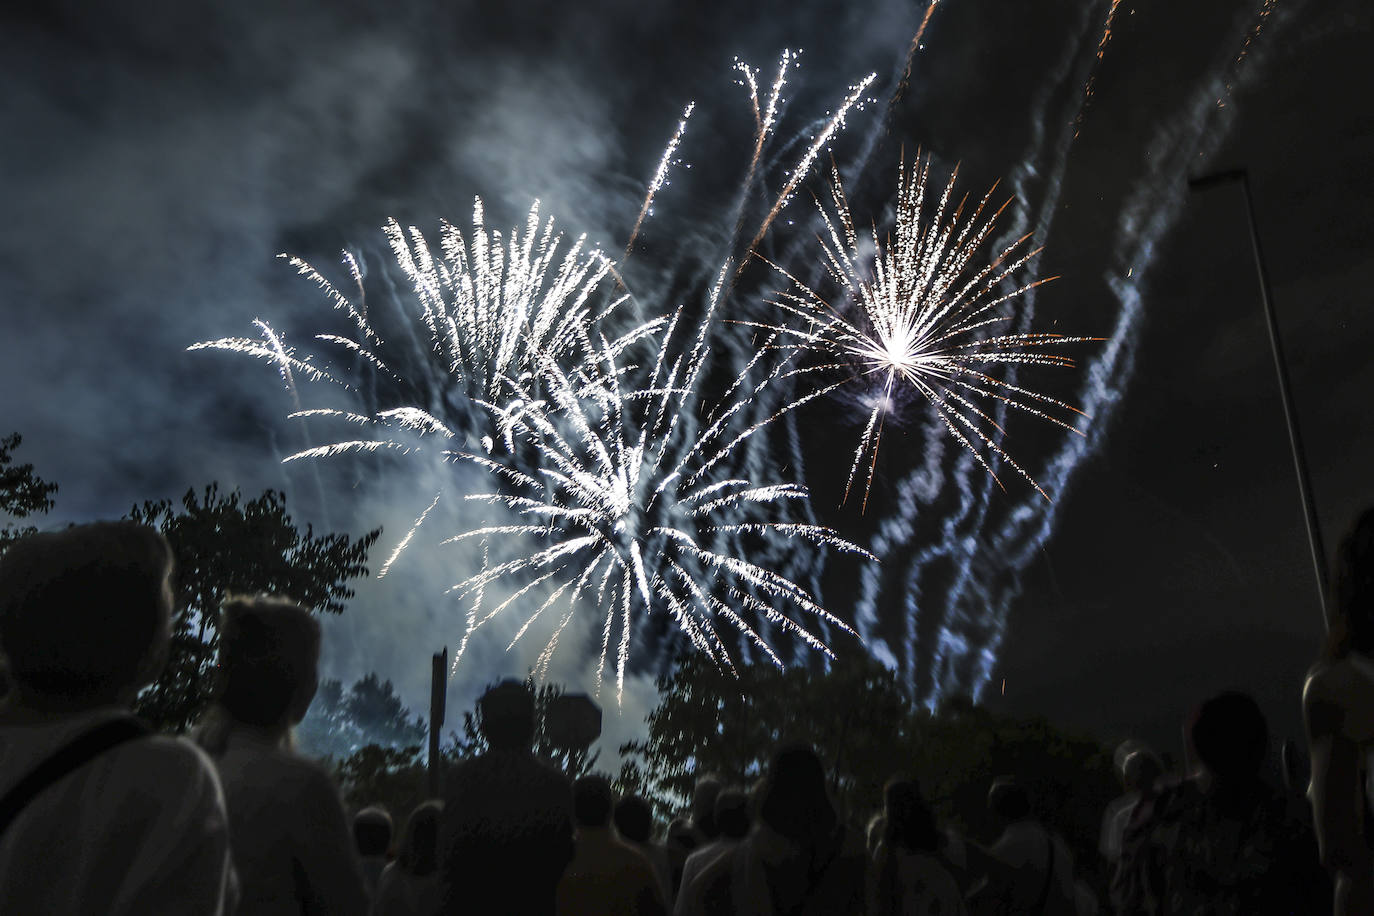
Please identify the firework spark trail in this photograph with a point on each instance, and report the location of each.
(1091, 81)
(765, 118)
(629, 495)
(405, 541)
(904, 82)
(660, 178)
(924, 317)
(803, 167)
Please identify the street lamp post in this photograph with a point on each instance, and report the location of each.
(1314, 536)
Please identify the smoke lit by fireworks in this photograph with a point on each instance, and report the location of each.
(925, 316)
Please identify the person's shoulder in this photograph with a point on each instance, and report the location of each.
(163, 759)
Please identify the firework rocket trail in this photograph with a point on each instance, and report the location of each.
(988, 562)
(803, 167)
(633, 501)
(660, 177)
(950, 619)
(1151, 211)
(1091, 81)
(924, 317)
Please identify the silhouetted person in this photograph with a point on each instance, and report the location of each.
(292, 843)
(678, 844)
(607, 876)
(704, 794)
(873, 833)
(507, 830)
(1222, 842)
(1037, 868)
(909, 877)
(372, 838)
(797, 859)
(1140, 773)
(410, 886)
(1338, 705)
(634, 819)
(731, 820)
(135, 823)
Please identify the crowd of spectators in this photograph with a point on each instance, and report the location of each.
(100, 815)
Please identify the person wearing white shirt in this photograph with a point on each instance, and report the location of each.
(136, 823)
(290, 836)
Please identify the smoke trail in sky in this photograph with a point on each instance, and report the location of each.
(1181, 145)
(958, 585)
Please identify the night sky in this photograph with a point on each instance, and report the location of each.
(156, 158)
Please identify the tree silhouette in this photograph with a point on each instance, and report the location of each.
(22, 492)
(866, 730)
(341, 722)
(224, 546)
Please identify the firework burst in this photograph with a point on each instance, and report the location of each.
(494, 307)
(921, 317)
(634, 503)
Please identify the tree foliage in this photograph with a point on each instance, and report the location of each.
(341, 722)
(866, 730)
(391, 777)
(225, 546)
(22, 492)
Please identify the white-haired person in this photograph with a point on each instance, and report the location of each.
(292, 843)
(411, 885)
(97, 814)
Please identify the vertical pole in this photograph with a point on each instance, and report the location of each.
(1290, 414)
(438, 682)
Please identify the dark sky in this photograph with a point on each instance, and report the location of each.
(154, 162)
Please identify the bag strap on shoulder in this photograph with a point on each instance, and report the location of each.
(67, 759)
(1049, 873)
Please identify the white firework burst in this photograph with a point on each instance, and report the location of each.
(633, 511)
(494, 306)
(920, 311)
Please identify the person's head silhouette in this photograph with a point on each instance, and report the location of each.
(372, 831)
(1141, 770)
(593, 800)
(704, 805)
(1008, 800)
(1352, 591)
(85, 614)
(909, 822)
(1230, 737)
(269, 657)
(507, 716)
(795, 804)
(418, 851)
(634, 819)
(732, 813)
